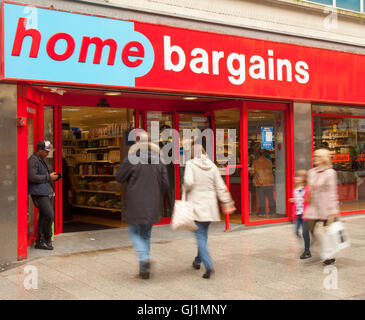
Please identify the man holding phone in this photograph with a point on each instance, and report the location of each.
(40, 187)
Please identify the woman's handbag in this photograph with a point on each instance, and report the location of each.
(183, 215)
(333, 240)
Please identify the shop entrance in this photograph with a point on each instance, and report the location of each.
(94, 143)
(267, 162)
(91, 133)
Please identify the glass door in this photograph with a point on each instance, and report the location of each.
(31, 148)
(160, 126)
(227, 124)
(266, 164)
(187, 123)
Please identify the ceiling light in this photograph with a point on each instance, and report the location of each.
(190, 98)
(112, 93)
(57, 90)
(111, 111)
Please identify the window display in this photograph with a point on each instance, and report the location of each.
(344, 137)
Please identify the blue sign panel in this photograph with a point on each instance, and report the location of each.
(50, 45)
(267, 138)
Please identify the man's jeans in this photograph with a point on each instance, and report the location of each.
(140, 235)
(300, 222)
(201, 235)
(46, 217)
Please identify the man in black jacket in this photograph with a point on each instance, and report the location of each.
(40, 187)
(147, 182)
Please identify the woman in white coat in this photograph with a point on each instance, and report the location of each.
(204, 186)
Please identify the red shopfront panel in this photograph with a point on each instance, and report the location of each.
(60, 49)
(231, 65)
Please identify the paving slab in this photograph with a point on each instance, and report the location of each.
(250, 264)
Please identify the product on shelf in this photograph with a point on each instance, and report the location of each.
(92, 201)
(95, 185)
(80, 199)
(111, 186)
(95, 155)
(81, 184)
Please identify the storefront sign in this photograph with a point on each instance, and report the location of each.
(51, 46)
(54, 46)
(267, 138)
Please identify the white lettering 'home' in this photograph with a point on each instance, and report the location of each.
(263, 68)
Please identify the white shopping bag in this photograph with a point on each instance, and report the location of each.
(333, 239)
(183, 215)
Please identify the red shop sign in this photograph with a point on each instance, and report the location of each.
(69, 48)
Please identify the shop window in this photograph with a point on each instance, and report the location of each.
(338, 110)
(345, 138)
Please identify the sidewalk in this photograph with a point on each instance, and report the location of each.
(251, 263)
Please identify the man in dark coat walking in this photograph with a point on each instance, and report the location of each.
(147, 182)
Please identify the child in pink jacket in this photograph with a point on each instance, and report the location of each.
(300, 202)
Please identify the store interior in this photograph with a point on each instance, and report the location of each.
(94, 142)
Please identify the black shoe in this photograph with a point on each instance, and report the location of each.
(306, 255)
(49, 244)
(146, 266)
(196, 266)
(208, 273)
(42, 245)
(329, 261)
(144, 275)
